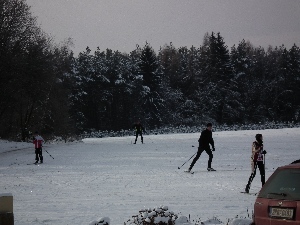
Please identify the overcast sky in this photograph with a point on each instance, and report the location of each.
(122, 24)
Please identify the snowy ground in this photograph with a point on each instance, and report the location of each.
(111, 177)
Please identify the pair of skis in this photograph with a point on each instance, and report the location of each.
(34, 163)
(192, 172)
(248, 193)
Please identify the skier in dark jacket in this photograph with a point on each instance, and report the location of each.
(204, 141)
(139, 129)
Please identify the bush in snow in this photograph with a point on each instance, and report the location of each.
(161, 216)
(101, 221)
(157, 216)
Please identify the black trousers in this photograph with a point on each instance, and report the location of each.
(261, 168)
(137, 133)
(209, 153)
(38, 154)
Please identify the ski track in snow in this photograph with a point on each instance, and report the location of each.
(112, 177)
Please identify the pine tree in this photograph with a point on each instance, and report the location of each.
(171, 84)
(220, 95)
(242, 60)
(275, 77)
(294, 73)
(150, 99)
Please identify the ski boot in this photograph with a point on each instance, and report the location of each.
(247, 188)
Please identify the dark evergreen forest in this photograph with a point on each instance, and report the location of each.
(44, 87)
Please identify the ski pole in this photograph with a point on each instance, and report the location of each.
(265, 162)
(49, 154)
(150, 138)
(186, 161)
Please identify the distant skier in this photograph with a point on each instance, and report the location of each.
(139, 129)
(257, 160)
(204, 141)
(38, 144)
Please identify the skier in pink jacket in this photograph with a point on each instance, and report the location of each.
(257, 160)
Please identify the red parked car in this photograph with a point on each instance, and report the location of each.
(278, 202)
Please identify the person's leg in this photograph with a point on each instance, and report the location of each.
(136, 137)
(195, 159)
(41, 155)
(36, 155)
(210, 154)
(251, 178)
(142, 139)
(261, 168)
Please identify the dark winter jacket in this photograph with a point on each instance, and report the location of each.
(206, 139)
(138, 127)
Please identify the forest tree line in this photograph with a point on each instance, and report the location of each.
(44, 87)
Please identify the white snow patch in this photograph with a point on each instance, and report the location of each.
(116, 178)
(240, 222)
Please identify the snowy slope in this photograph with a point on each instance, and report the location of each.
(110, 177)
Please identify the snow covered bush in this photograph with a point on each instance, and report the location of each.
(161, 216)
(156, 216)
(101, 221)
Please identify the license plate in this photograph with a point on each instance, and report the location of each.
(282, 213)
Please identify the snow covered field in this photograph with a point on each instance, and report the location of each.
(111, 177)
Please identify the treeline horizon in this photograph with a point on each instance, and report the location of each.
(44, 87)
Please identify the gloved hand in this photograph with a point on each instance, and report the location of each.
(264, 152)
(213, 149)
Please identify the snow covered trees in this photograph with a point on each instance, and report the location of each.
(103, 89)
(44, 87)
(150, 100)
(218, 83)
(30, 68)
(188, 86)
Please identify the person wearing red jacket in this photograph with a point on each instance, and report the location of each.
(38, 144)
(257, 160)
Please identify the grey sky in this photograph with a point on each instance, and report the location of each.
(122, 24)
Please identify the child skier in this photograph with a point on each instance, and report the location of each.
(38, 144)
